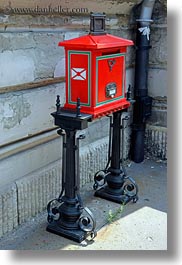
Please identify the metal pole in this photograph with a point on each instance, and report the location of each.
(66, 219)
(117, 186)
(116, 141)
(70, 191)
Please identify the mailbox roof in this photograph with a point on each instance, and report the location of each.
(96, 42)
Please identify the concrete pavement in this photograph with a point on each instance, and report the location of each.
(136, 226)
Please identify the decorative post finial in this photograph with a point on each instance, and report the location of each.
(78, 107)
(58, 104)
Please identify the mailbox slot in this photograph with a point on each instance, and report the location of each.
(111, 52)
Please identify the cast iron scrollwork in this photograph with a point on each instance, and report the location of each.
(129, 188)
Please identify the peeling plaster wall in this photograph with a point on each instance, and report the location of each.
(28, 112)
(30, 153)
(13, 111)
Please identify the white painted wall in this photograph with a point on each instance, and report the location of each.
(22, 163)
(15, 68)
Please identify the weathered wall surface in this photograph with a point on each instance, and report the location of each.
(30, 62)
(156, 133)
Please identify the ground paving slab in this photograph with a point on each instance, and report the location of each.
(135, 226)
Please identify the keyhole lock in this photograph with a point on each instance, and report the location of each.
(111, 63)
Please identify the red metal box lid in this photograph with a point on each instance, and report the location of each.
(96, 42)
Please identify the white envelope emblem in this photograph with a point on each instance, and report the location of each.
(78, 73)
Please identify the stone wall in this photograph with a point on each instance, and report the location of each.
(156, 133)
(32, 74)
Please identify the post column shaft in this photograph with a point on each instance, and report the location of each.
(70, 185)
(116, 140)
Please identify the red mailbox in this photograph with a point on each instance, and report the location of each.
(95, 82)
(95, 72)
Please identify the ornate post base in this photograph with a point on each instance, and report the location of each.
(114, 184)
(70, 224)
(128, 192)
(66, 215)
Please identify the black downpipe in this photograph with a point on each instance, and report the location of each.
(143, 102)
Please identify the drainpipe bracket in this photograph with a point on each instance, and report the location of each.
(144, 20)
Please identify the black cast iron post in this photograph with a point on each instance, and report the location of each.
(66, 218)
(71, 208)
(115, 177)
(116, 185)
